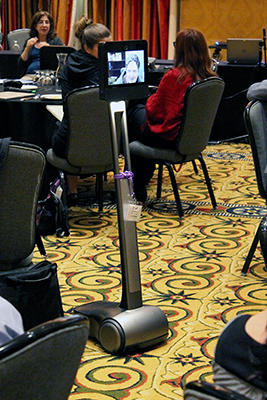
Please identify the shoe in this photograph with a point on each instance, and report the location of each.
(140, 194)
(72, 199)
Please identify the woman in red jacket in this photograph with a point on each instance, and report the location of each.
(157, 122)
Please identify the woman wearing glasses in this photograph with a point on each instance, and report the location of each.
(41, 34)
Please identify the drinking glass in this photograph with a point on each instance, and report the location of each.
(47, 81)
(40, 81)
(37, 75)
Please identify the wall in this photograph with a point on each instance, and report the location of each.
(222, 19)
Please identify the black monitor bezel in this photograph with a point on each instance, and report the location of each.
(48, 56)
(126, 91)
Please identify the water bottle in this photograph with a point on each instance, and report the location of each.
(16, 46)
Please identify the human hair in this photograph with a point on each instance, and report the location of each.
(135, 59)
(36, 18)
(90, 33)
(192, 55)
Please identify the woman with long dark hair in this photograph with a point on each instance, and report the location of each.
(41, 34)
(157, 122)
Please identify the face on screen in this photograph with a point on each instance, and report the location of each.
(126, 67)
(132, 72)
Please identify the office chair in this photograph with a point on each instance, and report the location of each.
(42, 363)
(20, 181)
(200, 390)
(255, 117)
(20, 35)
(89, 148)
(201, 102)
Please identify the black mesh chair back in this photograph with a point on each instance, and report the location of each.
(42, 363)
(89, 144)
(255, 116)
(20, 181)
(89, 149)
(201, 103)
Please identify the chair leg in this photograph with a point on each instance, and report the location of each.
(263, 238)
(195, 167)
(63, 185)
(159, 185)
(208, 182)
(175, 190)
(99, 191)
(251, 252)
(65, 211)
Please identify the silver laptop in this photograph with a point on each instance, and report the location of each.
(243, 51)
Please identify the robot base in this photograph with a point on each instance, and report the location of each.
(120, 331)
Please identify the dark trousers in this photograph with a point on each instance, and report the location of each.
(142, 168)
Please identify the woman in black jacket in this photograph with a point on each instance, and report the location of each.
(81, 69)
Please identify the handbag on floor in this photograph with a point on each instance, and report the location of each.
(52, 215)
(34, 292)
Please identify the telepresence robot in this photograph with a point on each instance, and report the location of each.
(128, 326)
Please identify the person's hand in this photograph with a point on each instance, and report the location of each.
(31, 42)
(41, 44)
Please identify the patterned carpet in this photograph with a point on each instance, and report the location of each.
(190, 268)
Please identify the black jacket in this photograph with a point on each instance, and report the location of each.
(81, 69)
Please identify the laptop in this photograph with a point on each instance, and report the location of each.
(243, 51)
(48, 56)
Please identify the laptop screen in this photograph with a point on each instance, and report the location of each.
(48, 56)
(243, 51)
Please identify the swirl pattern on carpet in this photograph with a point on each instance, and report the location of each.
(190, 268)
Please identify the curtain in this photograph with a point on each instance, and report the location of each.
(173, 27)
(136, 20)
(72, 19)
(62, 19)
(99, 11)
(163, 11)
(152, 20)
(142, 19)
(18, 14)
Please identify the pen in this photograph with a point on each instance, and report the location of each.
(11, 89)
(32, 96)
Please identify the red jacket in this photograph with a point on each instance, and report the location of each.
(164, 109)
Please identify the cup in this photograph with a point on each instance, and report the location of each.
(47, 81)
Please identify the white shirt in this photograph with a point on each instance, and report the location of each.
(11, 324)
